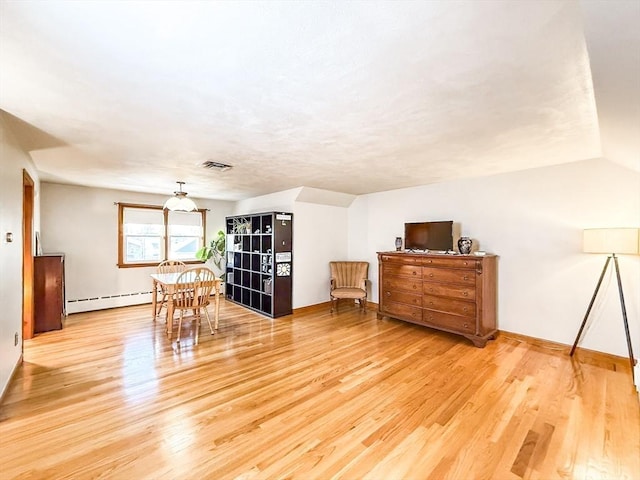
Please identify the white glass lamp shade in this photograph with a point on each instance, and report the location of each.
(612, 240)
(180, 203)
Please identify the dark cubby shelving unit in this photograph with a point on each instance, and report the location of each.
(260, 262)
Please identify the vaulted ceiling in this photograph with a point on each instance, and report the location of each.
(354, 97)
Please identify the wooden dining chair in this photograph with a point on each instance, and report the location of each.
(168, 266)
(193, 293)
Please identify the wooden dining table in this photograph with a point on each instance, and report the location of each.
(170, 283)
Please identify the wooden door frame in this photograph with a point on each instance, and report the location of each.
(27, 256)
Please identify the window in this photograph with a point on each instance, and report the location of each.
(148, 235)
(142, 234)
(185, 235)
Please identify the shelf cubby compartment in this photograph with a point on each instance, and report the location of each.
(266, 264)
(265, 246)
(246, 279)
(246, 261)
(255, 225)
(266, 304)
(246, 296)
(267, 223)
(255, 262)
(255, 281)
(237, 294)
(266, 284)
(256, 301)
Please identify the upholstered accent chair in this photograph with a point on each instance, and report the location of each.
(349, 280)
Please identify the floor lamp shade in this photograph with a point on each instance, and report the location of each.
(611, 240)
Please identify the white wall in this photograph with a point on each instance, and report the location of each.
(533, 220)
(273, 202)
(12, 161)
(82, 222)
(319, 236)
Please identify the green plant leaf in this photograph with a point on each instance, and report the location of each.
(204, 254)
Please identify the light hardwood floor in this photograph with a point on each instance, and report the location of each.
(310, 396)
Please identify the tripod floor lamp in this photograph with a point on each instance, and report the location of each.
(612, 241)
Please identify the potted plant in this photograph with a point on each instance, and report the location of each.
(215, 251)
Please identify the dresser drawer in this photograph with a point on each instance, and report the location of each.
(449, 262)
(402, 311)
(402, 297)
(413, 271)
(401, 259)
(465, 277)
(391, 283)
(450, 305)
(449, 322)
(448, 290)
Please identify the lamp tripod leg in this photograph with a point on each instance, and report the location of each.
(593, 299)
(624, 317)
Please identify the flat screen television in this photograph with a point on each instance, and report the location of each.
(428, 236)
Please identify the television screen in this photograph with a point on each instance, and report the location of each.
(428, 236)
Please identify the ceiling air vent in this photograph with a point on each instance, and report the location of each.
(211, 165)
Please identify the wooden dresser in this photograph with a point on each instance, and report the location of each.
(454, 293)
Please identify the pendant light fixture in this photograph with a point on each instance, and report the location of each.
(179, 202)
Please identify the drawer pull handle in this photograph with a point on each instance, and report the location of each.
(430, 303)
(466, 294)
(464, 309)
(388, 294)
(414, 273)
(465, 263)
(431, 275)
(466, 325)
(465, 278)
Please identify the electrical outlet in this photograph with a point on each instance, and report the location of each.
(15, 340)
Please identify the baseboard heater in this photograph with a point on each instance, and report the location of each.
(107, 301)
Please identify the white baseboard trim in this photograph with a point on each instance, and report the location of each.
(109, 301)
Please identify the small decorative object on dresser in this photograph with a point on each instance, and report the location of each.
(464, 245)
(398, 243)
(446, 292)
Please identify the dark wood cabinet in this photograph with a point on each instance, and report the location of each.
(454, 293)
(260, 262)
(48, 292)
